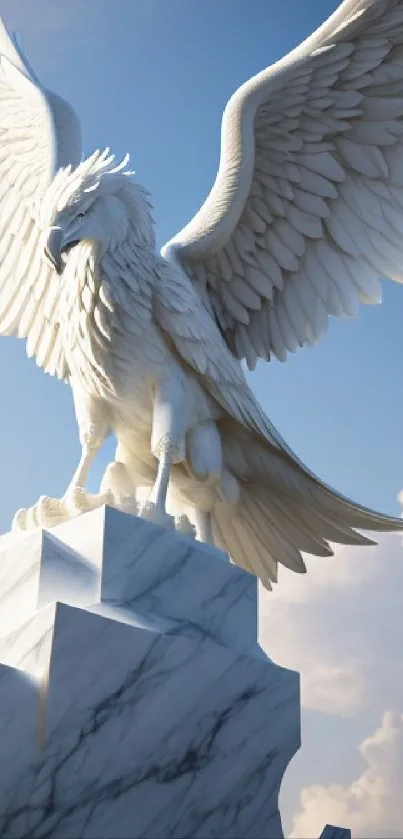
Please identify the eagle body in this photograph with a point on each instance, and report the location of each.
(119, 358)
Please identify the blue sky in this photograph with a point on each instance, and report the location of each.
(152, 77)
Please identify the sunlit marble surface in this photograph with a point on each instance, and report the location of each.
(108, 560)
(145, 706)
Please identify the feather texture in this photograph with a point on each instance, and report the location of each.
(39, 134)
(305, 214)
(309, 185)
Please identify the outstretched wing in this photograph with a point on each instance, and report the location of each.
(306, 213)
(39, 133)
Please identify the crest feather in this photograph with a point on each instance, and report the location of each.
(69, 184)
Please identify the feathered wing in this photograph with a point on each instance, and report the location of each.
(180, 312)
(304, 218)
(39, 133)
(284, 509)
(306, 213)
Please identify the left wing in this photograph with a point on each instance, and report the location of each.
(306, 213)
(39, 133)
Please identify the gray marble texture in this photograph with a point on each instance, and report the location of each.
(332, 832)
(142, 705)
(113, 563)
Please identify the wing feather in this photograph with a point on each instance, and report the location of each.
(39, 134)
(306, 213)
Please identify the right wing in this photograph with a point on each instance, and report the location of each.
(306, 213)
(39, 133)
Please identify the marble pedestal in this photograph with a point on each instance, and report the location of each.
(135, 700)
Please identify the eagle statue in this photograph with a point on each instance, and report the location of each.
(304, 218)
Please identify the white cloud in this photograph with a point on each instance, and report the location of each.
(372, 806)
(341, 626)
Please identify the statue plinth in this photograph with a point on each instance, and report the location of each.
(138, 701)
(135, 700)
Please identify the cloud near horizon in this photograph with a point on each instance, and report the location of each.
(372, 806)
(341, 627)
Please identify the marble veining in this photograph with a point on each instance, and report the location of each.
(40, 569)
(150, 711)
(132, 570)
(147, 568)
(176, 715)
(28, 646)
(20, 561)
(19, 708)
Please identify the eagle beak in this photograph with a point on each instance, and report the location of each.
(53, 249)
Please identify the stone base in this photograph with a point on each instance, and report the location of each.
(135, 700)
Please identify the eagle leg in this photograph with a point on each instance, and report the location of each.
(49, 512)
(168, 433)
(154, 509)
(204, 529)
(79, 479)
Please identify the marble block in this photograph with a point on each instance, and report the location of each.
(114, 562)
(135, 700)
(19, 718)
(331, 832)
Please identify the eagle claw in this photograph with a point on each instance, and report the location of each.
(150, 512)
(49, 512)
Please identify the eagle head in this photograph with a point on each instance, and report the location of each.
(98, 202)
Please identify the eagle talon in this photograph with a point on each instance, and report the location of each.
(184, 525)
(79, 500)
(19, 521)
(49, 512)
(150, 512)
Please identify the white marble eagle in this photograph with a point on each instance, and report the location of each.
(305, 216)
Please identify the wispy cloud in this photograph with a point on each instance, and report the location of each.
(372, 806)
(340, 626)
